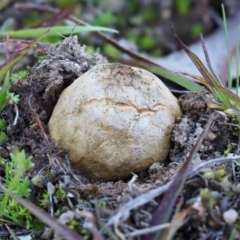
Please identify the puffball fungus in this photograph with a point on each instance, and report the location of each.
(114, 120)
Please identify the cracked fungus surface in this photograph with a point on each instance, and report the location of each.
(114, 120)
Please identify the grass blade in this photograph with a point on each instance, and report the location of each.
(237, 59)
(180, 80)
(230, 96)
(3, 91)
(228, 47)
(213, 84)
(208, 61)
(63, 14)
(12, 46)
(185, 82)
(226, 92)
(63, 30)
(14, 59)
(4, 4)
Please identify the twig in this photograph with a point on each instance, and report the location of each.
(91, 224)
(103, 225)
(38, 124)
(39, 7)
(5, 233)
(12, 234)
(51, 191)
(124, 211)
(7, 48)
(165, 209)
(208, 61)
(130, 183)
(196, 168)
(147, 230)
(55, 18)
(17, 114)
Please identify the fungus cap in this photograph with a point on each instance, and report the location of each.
(114, 120)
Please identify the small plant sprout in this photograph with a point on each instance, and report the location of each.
(19, 160)
(20, 75)
(3, 137)
(73, 224)
(44, 201)
(2, 161)
(60, 193)
(229, 148)
(85, 233)
(3, 124)
(13, 98)
(42, 57)
(217, 175)
(10, 209)
(102, 204)
(4, 90)
(220, 98)
(207, 197)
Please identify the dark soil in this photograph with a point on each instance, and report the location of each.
(189, 127)
(38, 96)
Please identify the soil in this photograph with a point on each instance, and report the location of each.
(65, 62)
(189, 127)
(38, 96)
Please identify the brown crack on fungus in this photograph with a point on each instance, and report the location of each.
(114, 120)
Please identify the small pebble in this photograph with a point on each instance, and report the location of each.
(230, 216)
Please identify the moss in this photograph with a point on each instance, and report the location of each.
(182, 6)
(105, 19)
(109, 50)
(149, 14)
(65, 4)
(196, 30)
(147, 42)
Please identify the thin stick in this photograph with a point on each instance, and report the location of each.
(237, 59)
(39, 7)
(228, 47)
(166, 206)
(147, 230)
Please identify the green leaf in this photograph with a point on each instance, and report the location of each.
(20, 161)
(228, 46)
(4, 90)
(4, 4)
(221, 94)
(180, 80)
(63, 30)
(230, 96)
(182, 6)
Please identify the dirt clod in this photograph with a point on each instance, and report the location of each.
(190, 125)
(38, 96)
